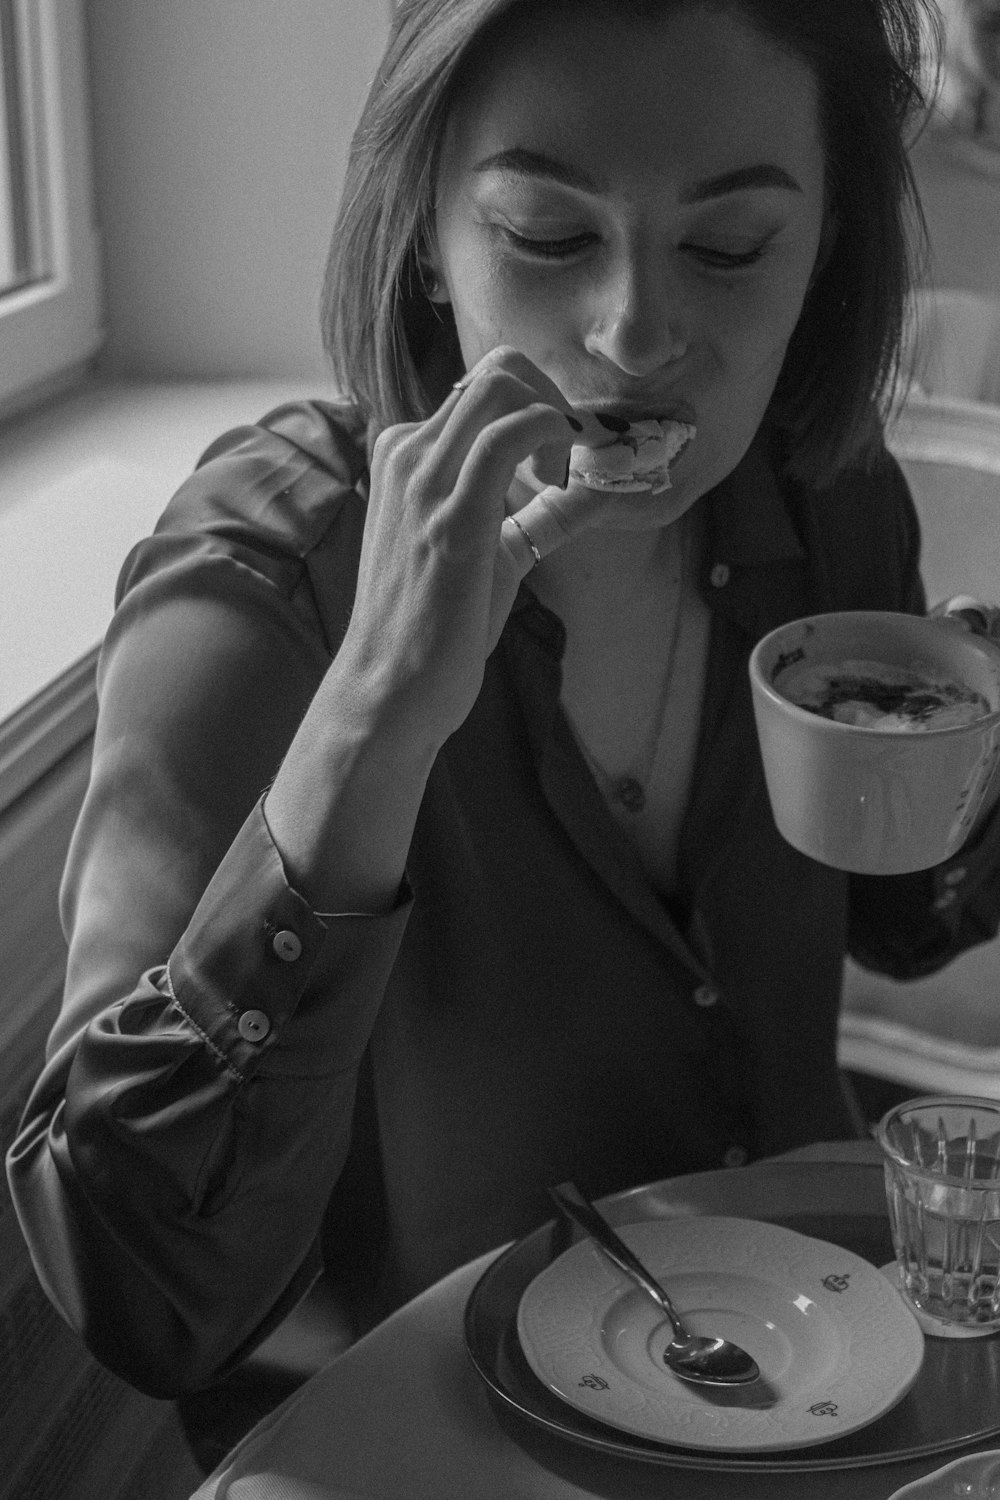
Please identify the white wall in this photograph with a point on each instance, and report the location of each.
(221, 129)
(220, 135)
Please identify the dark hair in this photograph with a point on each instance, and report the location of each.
(394, 352)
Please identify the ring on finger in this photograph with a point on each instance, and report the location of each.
(536, 555)
(463, 384)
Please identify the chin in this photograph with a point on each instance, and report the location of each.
(640, 510)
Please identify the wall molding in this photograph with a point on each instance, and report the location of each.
(943, 430)
(47, 727)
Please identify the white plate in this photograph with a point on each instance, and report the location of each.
(836, 1344)
(976, 1477)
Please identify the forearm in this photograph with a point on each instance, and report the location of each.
(343, 806)
(436, 581)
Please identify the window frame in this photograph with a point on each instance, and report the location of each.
(53, 325)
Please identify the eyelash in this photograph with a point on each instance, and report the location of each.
(563, 249)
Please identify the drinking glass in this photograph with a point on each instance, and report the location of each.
(942, 1178)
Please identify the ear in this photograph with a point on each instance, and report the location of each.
(429, 267)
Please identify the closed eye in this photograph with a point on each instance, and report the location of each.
(563, 249)
(549, 249)
(726, 260)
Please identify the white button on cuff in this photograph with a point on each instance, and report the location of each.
(736, 1156)
(253, 1025)
(955, 876)
(946, 899)
(719, 575)
(287, 945)
(706, 996)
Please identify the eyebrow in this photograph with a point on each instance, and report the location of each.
(764, 175)
(524, 163)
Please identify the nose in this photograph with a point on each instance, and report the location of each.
(639, 321)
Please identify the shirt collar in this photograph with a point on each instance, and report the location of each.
(749, 524)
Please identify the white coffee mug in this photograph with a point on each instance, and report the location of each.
(869, 800)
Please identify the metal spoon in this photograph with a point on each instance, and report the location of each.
(706, 1361)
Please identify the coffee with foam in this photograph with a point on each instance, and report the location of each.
(873, 695)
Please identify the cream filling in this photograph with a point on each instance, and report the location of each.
(633, 461)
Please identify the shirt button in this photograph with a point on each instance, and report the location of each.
(736, 1156)
(946, 899)
(955, 876)
(253, 1025)
(706, 996)
(719, 575)
(287, 946)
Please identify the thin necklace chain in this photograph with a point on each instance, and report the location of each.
(630, 789)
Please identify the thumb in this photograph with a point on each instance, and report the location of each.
(526, 536)
(553, 516)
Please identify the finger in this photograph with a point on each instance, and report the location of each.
(530, 534)
(504, 360)
(474, 425)
(515, 558)
(497, 450)
(971, 614)
(525, 538)
(503, 381)
(519, 546)
(500, 394)
(554, 516)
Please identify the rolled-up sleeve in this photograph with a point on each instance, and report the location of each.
(908, 926)
(189, 1139)
(179, 1149)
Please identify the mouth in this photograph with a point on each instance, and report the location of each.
(626, 453)
(621, 416)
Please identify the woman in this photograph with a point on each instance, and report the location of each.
(427, 858)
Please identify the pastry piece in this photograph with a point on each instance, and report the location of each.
(629, 457)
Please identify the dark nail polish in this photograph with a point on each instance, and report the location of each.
(566, 480)
(613, 424)
(576, 426)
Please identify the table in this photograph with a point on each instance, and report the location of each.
(402, 1416)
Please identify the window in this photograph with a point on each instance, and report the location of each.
(49, 289)
(16, 248)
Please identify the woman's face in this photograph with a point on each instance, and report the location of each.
(638, 209)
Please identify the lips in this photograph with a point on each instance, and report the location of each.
(612, 415)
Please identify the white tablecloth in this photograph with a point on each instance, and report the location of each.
(403, 1416)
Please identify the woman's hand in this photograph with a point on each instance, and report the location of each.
(439, 569)
(438, 573)
(970, 615)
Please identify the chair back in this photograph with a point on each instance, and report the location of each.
(949, 451)
(952, 346)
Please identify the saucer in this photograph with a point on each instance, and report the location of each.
(835, 1343)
